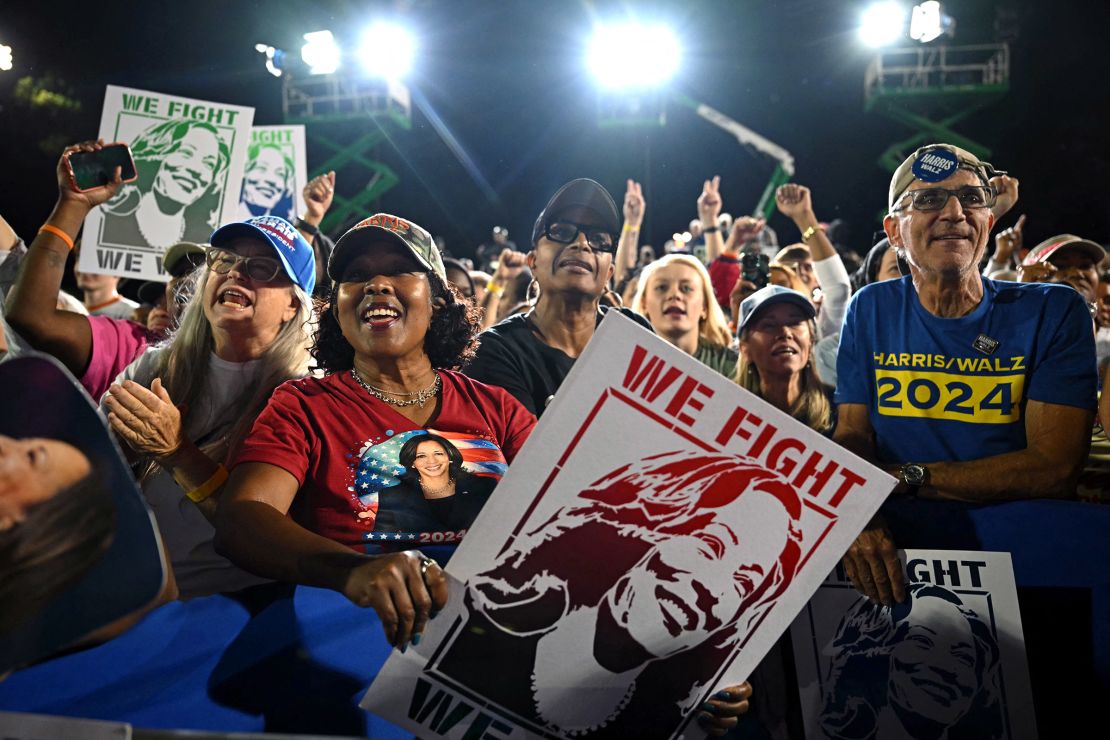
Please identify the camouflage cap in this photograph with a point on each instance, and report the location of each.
(383, 226)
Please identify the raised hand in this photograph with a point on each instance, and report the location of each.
(709, 202)
(509, 264)
(633, 204)
(67, 192)
(318, 195)
(1009, 241)
(746, 228)
(793, 201)
(1006, 194)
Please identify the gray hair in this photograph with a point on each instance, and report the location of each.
(184, 366)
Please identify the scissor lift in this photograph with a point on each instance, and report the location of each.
(932, 88)
(349, 117)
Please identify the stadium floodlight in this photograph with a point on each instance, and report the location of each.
(882, 23)
(928, 22)
(275, 58)
(633, 55)
(320, 53)
(386, 50)
(5, 58)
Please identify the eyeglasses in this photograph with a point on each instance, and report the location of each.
(934, 199)
(566, 232)
(262, 269)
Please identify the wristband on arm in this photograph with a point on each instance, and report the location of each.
(206, 489)
(55, 231)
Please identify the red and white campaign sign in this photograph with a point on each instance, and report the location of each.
(658, 532)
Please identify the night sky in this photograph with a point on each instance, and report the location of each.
(508, 80)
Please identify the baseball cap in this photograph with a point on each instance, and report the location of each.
(182, 258)
(934, 163)
(384, 227)
(582, 193)
(150, 291)
(1060, 242)
(295, 253)
(769, 296)
(41, 399)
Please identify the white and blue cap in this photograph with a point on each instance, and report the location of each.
(296, 255)
(935, 163)
(769, 296)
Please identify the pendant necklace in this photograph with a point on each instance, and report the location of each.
(419, 397)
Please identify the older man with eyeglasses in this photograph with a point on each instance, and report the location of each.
(964, 388)
(574, 241)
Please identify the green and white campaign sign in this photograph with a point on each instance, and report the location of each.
(275, 174)
(189, 156)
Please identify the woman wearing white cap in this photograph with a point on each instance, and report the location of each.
(324, 458)
(777, 330)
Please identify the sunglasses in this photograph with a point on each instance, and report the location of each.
(565, 232)
(262, 269)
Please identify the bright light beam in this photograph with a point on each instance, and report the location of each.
(321, 53)
(5, 58)
(882, 24)
(386, 50)
(633, 55)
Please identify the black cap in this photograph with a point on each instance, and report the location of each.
(150, 291)
(583, 193)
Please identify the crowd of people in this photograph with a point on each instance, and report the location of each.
(242, 387)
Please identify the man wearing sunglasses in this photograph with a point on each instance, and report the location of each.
(574, 241)
(962, 387)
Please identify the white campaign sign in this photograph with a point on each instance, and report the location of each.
(189, 157)
(657, 533)
(947, 662)
(275, 173)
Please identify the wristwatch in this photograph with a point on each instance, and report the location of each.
(914, 474)
(303, 225)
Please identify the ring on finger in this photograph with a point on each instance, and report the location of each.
(425, 564)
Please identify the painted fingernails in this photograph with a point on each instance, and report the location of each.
(416, 639)
(722, 695)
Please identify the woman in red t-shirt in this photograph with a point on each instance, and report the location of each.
(327, 449)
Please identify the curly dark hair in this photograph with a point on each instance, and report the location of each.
(451, 341)
(407, 456)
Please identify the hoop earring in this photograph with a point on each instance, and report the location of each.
(533, 287)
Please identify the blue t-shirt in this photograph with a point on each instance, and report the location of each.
(944, 390)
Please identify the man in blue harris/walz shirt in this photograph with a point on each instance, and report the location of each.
(962, 387)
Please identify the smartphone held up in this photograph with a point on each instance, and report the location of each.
(91, 170)
(755, 268)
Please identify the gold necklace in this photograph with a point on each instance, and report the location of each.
(420, 397)
(437, 492)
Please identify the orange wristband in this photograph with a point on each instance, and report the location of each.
(48, 228)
